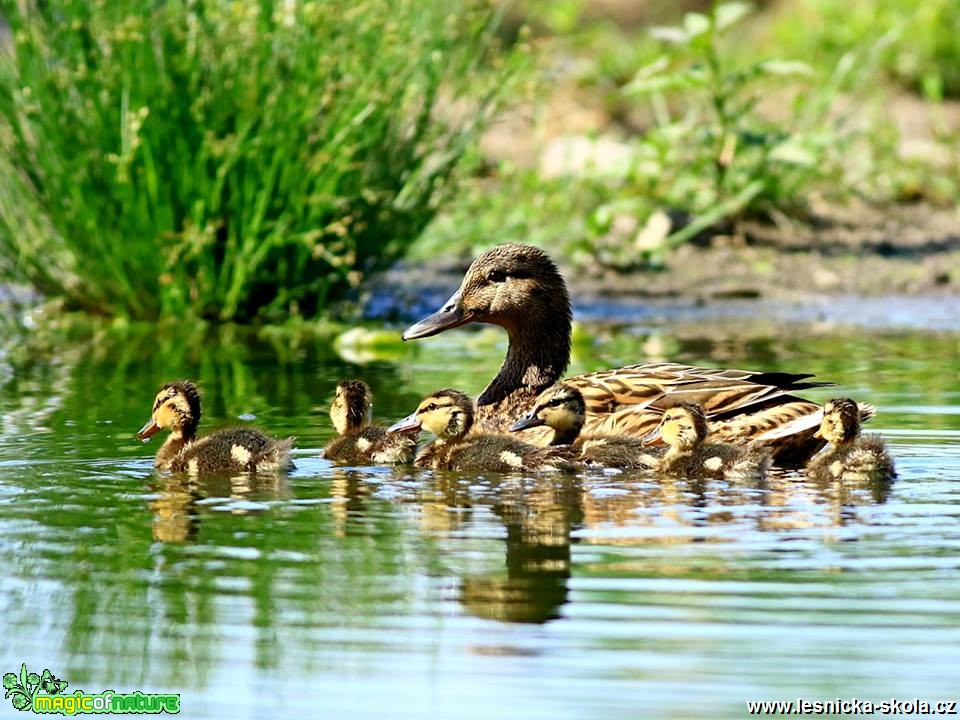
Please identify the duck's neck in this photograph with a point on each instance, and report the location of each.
(537, 356)
(567, 435)
(174, 445)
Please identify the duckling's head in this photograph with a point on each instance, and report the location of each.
(352, 406)
(448, 414)
(514, 286)
(560, 407)
(684, 426)
(176, 408)
(841, 421)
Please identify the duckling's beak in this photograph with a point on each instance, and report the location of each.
(819, 433)
(149, 429)
(527, 421)
(451, 315)
(411, 423)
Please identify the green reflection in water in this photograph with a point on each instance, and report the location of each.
(123, 577)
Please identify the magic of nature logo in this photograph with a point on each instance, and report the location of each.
(45, 694)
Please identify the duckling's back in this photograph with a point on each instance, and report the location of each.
(866, 458)
(718, 460)
(235, 450)
(501, 453)
(625, 453)
(372, 444)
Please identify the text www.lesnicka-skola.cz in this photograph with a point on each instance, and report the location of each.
(852, 706)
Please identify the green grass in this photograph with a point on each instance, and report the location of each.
(924, 52)
(231, 160)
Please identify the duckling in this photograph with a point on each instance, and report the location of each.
(449, 415)
(177, 408)
(851, 456)
(563, 410)
(684, 429)
(358, 441)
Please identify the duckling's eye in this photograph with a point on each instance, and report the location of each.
(431, 407)
(496, 276)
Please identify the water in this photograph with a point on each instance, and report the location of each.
(372, 592)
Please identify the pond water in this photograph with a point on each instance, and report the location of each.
(373, 592)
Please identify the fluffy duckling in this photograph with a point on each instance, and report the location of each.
(563, 410)
(684, 429)
(449, 415)
(851, 456)
(177, 408)
(357, 440)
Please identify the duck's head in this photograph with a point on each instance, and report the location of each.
(560, 408)
(352, 406)
(448, 414)
(684, 426)
(511, 285)
(176, 408)
(841, 420)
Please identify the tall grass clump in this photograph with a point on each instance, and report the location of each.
(230, 159)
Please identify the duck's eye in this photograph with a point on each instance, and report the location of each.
(496, 276)
(431, 407)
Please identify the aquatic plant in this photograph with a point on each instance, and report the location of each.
(230, 159)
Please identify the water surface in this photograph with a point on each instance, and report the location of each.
(373, 592)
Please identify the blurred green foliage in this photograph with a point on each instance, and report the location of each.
(231, 159)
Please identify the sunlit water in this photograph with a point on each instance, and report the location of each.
(371, 592)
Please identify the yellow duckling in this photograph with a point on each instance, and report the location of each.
(851, 456)
(684, 429)
(563, 410)
(358, 441)
(449, 415)
(177, 408)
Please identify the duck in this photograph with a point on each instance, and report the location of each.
(177, 408)
(685, 431)
(449, 414)
(358, 441)
(519, 288)
(851, 456)
(562, 409)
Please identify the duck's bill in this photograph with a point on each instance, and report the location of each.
(410, 424)
(149, 429)
(527, 421)
(451, 315)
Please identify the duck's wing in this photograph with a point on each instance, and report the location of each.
(740, 404)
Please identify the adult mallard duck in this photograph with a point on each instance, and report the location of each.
(358, 441)
(562, 409)
(519, 288)
(449, 414)
(177, 408)
(851, 456)
(684, 429)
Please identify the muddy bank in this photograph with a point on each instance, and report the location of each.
(899, 268)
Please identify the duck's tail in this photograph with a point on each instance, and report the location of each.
(275, 457)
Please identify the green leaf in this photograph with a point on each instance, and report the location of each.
(731, 13)
(684, 80)
(788, 68)
(696, 24)
(669, 34)
(792, 153)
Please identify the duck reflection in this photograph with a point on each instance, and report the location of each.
(538, 516)
(176, 515)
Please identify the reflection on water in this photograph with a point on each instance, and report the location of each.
(364, 592)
